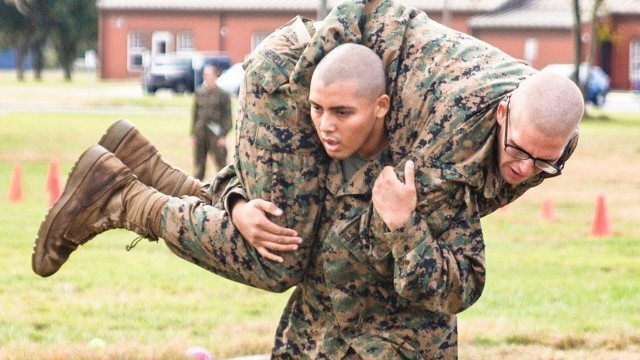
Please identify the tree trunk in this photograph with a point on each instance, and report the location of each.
(577, 43)
(38, 58)
(593, 43)
(21, 49)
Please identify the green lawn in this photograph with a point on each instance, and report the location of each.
(553, 291)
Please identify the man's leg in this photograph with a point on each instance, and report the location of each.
(200, 156)
(219, 153)
(136, 151)
(101, 194)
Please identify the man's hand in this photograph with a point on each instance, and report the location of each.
(392, 199)
(222, 141)
(251, 220)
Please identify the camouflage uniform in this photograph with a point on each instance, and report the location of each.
(276, 157)
(211, 121)
(366, 291)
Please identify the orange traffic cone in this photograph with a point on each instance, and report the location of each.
(15, 186)
(548, 211)
(601, 225)
(53, 186)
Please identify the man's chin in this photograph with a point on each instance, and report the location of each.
(336, 155)
(511, 178)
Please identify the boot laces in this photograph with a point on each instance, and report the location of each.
(134, 243)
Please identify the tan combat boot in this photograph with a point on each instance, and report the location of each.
(136, 152)
(101, 194)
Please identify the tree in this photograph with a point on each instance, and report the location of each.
(71, 25)
(75, 30)
(15, 33)
(593, 38)
(577, 42)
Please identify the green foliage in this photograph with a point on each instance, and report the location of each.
(71, 26)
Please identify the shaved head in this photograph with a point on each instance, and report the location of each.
(552, 103)
(353, 63)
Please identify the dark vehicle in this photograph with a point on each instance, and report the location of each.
(181, 72)
(599, 82)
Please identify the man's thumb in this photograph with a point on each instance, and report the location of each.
(269, 207)
(409, 173)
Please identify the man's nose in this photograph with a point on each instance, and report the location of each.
(527, 167)
(327, 124)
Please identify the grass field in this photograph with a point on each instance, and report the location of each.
(553, 290)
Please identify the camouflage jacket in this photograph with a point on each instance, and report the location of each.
(211, 111)
(354, 297)
(444, 87)
(382, 293)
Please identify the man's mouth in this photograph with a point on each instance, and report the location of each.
(330, 144)
(516, 175)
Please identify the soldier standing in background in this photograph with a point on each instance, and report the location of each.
(211, 122)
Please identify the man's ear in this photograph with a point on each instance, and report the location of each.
(383, 103)
(501, 112)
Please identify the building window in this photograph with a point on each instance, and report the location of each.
(257, 37)
(135, 50)
(634, 62)
(185, 41)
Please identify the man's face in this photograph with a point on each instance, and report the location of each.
(525, 139)
(210, 75)
(347, 123)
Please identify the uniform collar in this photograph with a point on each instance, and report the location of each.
(362, 181)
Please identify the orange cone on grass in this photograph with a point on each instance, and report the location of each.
(601, 225)
(548, 210)
(15, 186)
(53, 187)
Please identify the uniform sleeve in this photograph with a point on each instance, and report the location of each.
(202, 233)
(438, 255)
(225, 113)
(194, 113)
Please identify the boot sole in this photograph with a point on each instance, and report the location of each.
(76, 176)
(115, 134)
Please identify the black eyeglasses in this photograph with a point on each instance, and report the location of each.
(521, 154)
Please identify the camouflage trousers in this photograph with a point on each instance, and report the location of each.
(204, 145)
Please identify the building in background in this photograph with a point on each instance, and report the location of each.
(132, 32)
(541, 33)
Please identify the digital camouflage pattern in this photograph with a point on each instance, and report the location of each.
(366, 292)
(211, 110)
(276, 156)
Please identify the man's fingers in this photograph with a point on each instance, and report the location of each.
(409, 173)
(269, 226)
(268, 207)
(272, 246)
(271, 237)
(269, 255)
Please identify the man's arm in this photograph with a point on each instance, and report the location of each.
(438, 251)
(250, 218)
(194, 113)
(203, 234)
(225, 121)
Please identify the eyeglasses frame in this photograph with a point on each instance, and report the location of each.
(555, 170)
